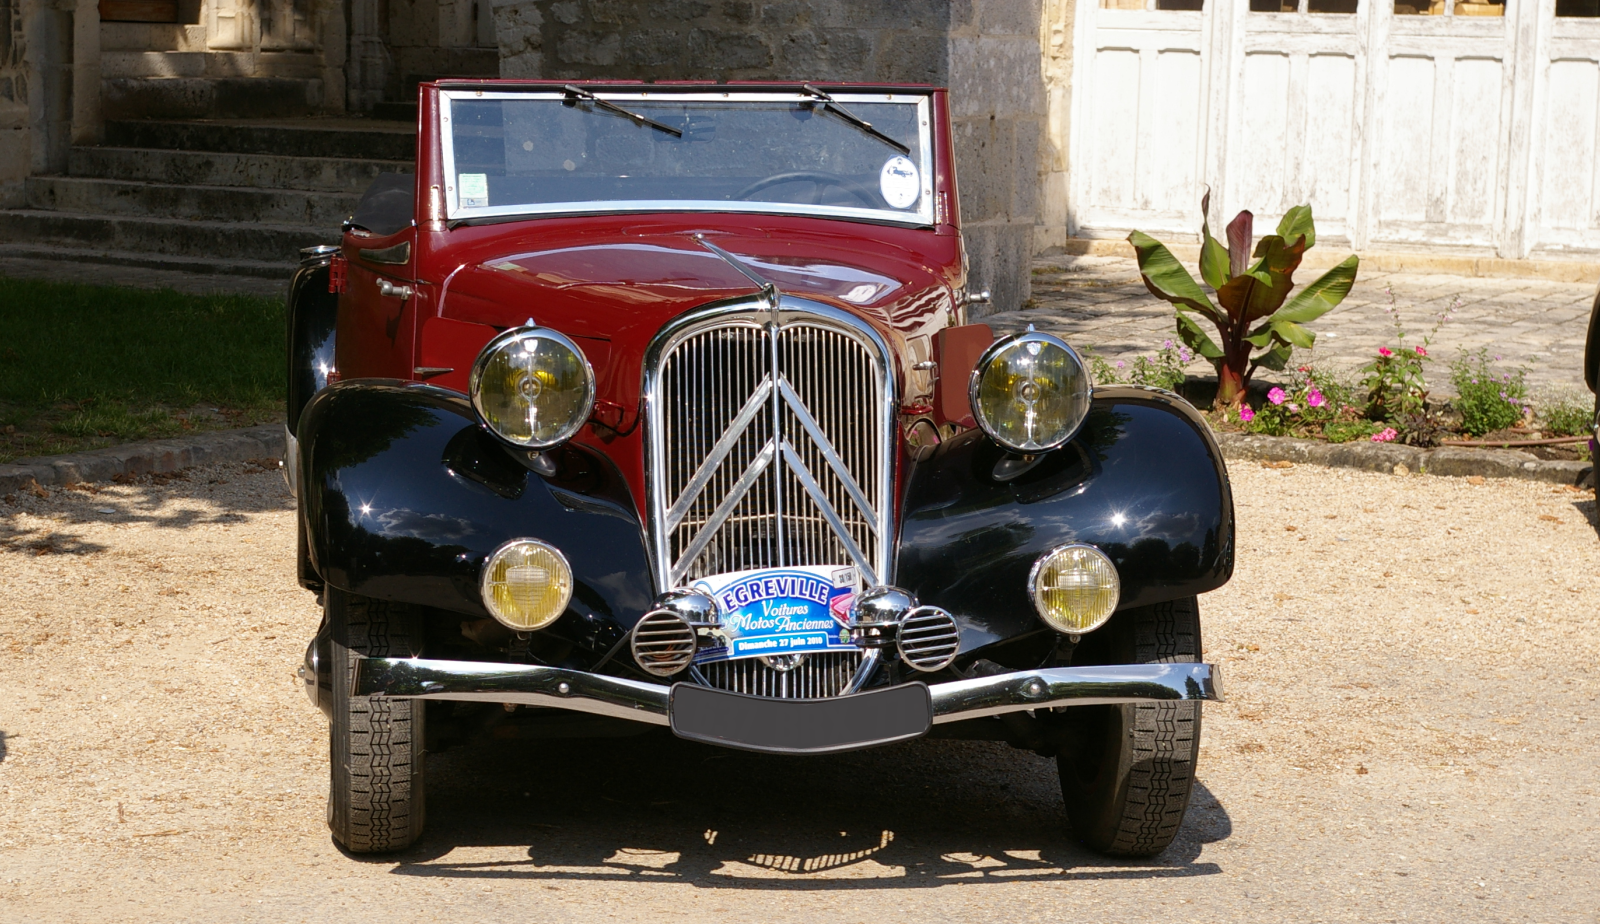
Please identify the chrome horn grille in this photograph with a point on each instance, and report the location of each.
(770, 435)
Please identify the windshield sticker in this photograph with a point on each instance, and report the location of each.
(781, 611)
(899, 182)
(474, 190)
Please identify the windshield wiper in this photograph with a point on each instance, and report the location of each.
(588, 97)
(829, 103)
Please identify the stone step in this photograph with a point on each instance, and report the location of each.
(210, 97)
(216, 240)
(354, 138)
(115, 64)
(210, 203)
(85, 256)
(214, 168)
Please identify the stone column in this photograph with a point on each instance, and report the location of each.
(49, 36)
(997, 107)
(16, 138)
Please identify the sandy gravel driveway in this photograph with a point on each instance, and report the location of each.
(1411, 735)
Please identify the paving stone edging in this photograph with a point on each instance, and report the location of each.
(267, 442)
(263, 442)
(1387, 458)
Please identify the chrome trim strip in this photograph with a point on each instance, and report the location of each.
(922, 217)
(525, 684)
(724, 510)
(842, 533)
(618, 697)
(829, 454)
(719, 451)
(1073, 686)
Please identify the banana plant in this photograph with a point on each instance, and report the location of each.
(1256, 322)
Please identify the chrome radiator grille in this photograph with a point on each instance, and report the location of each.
(818, 677)
(771, 447)
(770, 436)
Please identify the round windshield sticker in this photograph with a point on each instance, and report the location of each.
(899, 182)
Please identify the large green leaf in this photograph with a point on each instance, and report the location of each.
(1316, 299)
(1275, 358)
(1213, 253)
(1294, 333)
(1166, 278)
(1297, 223)
(1196, 339)
(1240, 232)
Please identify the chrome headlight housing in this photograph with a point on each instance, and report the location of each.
(1075, 587)
(1030, 392)
(526, 584)
(532, 387)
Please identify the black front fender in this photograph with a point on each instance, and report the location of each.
(1143, 481)
(403, 496)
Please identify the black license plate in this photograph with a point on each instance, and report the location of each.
(800, 726)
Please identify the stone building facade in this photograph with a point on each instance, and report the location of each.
(68, 67)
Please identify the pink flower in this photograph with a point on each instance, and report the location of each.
(1294, 408)
(1315, 399)
(1276, 395)
(1421, 351)
(1387, 435)
(1385, 351)
(1245, 414)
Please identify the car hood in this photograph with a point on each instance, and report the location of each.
(626, 285)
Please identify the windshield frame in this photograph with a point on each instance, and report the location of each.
(924, 216)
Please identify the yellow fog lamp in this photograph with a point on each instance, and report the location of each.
(1075, 588)
(1030, 392)
(532, 387)
(526, 584)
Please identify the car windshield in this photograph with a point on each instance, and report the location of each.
(863, 156)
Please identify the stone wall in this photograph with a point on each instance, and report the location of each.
(15, 138)
(986, 51)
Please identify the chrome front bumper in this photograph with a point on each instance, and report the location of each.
(651, 703)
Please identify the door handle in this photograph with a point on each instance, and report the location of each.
(389, 289)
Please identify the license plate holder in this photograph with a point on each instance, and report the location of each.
(800, 726)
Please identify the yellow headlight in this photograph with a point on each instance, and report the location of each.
(533, 387)
(1075, 588)
(1030, 392)
(526, 584)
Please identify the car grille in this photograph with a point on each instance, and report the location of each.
(770, 448)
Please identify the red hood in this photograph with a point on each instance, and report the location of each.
(621, 285)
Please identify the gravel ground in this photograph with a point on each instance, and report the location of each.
(1410, 735)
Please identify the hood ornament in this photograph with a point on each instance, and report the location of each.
(769, 291)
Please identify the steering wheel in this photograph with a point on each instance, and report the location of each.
(822, 180)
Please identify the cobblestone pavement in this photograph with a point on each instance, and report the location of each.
(1100, 302)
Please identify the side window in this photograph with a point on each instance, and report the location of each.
(1337, 7)
(1457, 8)
(1192, 5)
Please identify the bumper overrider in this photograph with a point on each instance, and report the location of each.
(787, 726)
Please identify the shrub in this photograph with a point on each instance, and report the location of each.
(1396, 381)
(1346, 431)
(1565, 414)
(1163, 369)
(1257, 324)
(1488, 399)
(1312, 401)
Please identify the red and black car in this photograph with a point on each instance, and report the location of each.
(656, 406)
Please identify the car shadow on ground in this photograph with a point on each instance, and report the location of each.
(2, 747)
(654, 808)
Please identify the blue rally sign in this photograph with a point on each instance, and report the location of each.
(781, 611)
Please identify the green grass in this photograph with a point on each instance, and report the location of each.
(86, 366)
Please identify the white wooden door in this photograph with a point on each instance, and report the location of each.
(1563, 215)
(1441, 99)
(1466, 125)
(1136, 156)
(1293, 110)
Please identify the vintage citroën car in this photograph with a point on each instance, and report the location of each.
(659, 404)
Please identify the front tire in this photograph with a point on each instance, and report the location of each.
(1127, 770)
(375, 744)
